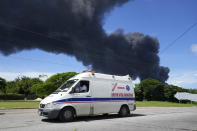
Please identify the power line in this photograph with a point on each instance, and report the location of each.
(36, 60)
(30, 31)
(60, 40)
(180, 36)
(38, 34)
(97, 54)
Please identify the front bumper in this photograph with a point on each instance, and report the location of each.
(134, 108)
(50, 113)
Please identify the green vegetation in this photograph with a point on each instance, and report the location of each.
(163, 104)
(11, 96)
(31, 88)
(3, 85)
(154, 90)
(51, 84)
(4, 104)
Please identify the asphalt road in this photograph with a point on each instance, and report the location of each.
(143, 119)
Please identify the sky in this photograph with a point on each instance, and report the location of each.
(162, 19)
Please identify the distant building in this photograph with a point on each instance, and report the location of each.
(186, 96)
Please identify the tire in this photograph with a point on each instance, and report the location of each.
(124, 111)
(66, 114)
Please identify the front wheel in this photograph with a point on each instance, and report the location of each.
(124, 111)
(66, 114)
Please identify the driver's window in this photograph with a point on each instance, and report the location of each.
(82, 87)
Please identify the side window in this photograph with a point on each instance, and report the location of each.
(82, 87)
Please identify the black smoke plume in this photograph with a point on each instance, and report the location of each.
(74, 27)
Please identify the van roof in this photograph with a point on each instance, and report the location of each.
(102, 76)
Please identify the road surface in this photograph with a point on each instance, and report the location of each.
(143, 119)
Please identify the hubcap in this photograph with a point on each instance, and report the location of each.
(67, 114)
(124, 111)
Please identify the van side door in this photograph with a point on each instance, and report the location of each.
(101, 97)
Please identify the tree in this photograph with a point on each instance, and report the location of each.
(51, 84)
(24, 84)
(39, 90)
(169, 92)
(3, 85)
(138, 93)
(12, 87)
(57, 80)
(152, 89)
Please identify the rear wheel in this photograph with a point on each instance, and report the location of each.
(66, 114)
(124, 111)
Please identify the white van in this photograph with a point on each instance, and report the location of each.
(90, 93)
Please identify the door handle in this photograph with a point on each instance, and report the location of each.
(88, 96)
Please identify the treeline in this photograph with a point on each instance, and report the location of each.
(154, 90)
(31, 88)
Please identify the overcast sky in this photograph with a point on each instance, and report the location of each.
(163, 19)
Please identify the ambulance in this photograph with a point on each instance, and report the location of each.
(90, 93)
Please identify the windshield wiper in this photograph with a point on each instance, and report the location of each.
(55, 92)
(65, 90)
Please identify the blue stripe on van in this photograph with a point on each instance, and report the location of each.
(95, 99)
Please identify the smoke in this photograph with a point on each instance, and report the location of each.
(74, 27)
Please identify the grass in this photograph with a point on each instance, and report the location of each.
(18, 104)
(30, 104)
(163, 104)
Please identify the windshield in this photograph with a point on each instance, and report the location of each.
(66, 85)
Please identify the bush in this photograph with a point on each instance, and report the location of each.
(40, 90)
(138, 93)
(12, 97)
(3, 85)
(55, 81)
(51, 84)
(151, 90)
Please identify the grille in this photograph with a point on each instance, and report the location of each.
(42, 105)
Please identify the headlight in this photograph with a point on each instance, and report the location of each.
(50, 105)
